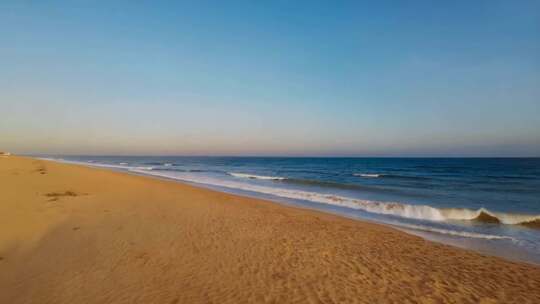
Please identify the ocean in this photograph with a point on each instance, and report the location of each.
(491, 205)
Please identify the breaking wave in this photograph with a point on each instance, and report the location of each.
(487, 216)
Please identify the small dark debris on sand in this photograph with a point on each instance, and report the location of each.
(42, 170)
(57, 195)
(76, 228)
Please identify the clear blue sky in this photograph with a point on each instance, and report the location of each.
(398, 78)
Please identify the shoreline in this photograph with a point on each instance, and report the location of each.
(477, 242)
(129, 236)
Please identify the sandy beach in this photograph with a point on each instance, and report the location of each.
(72, 234)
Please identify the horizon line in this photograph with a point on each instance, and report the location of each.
(263, 156)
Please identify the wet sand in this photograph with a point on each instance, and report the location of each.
(72, 234)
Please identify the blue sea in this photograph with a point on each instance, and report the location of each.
(491, 205)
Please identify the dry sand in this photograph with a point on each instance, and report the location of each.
(71, 234)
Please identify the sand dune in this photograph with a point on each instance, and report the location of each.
(71, 234)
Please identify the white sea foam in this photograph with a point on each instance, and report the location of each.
(466, 234)
(167, 164)
(371, 175)
(141, 168)
(251, 176)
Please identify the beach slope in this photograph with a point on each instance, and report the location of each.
(72, 234)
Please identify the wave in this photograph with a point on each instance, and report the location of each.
(329, 184)
(299, 181)
(394, 176)
(158, 164)
(141, 168)
(175, 169)
(306, 182)
(317, 183)
(91, 163)
(487, 216)
(371, 175)
(251, 176)
(418, 212)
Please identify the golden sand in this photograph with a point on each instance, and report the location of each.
(71, 234)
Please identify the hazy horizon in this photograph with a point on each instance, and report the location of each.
(266, 156)
(347, 79)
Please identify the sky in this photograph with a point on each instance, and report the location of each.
(283, 78)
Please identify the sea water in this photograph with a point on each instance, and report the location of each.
(491, 205)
